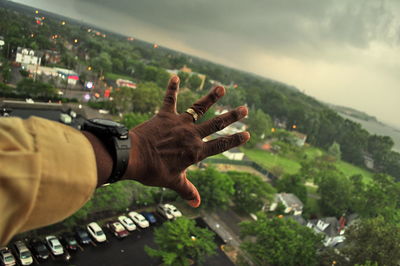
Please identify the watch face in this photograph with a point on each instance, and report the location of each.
(105, 122)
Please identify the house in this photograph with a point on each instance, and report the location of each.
(368, 161)
(234, 154)
(51, 57)
(27, 56)
(2, 43)
(330, 227)
(125, 83)
(299, 138)
(291, 202)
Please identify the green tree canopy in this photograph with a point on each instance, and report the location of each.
(375, 240)
(336, 193)
(194, 82)
(259, 125)
(181, 241)
(131, 120)
(334, 150)
(279, 241)
(215, 188)
(251, 192)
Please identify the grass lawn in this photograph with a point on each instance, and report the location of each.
(114, 76)
(292, 166)
(350, 170)
(269, 160)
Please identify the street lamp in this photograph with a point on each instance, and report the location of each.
(63, 23)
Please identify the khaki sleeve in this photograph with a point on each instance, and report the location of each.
(47, 172)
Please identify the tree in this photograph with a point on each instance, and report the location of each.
(381, 196)
(102, 63)
(185, 99)
(123, 99)
(334, 150)
(293, 184)
(376, 240)
(131, 120)
(35, 89)
(114, 197)
(279, 241)
(233, 97)
(215, 188)
(181, 242)
(259, 124)
(147, 98)
(336, 193)
(194, 82)
(251, 192)
(183, 76)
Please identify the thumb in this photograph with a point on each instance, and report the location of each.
(187, 190)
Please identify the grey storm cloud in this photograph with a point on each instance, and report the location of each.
(276, 25)
(341, 51)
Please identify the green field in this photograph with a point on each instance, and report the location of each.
(292, 166)
(269, 160)
(114, 76)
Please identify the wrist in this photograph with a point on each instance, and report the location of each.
(134, 166)
(104, 161)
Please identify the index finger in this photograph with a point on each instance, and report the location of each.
(169, 104)
(204, 103)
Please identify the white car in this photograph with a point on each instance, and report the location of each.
(164, 211)
(139, 219)
(173, 210)
(6, 257)
(127, 223)
(55, 246)
(96, 232)
(23, 253)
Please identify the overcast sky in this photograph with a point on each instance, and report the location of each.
(342, 52)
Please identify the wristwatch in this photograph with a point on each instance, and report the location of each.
(115, 137)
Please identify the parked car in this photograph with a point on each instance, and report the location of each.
(149, 217)
(127, 223)
(23, 253)
(6, 257)
(82, 236)
(117, 229)
(96, 232)
(38, 248)
(54, 245)
(164, 211)
(68, 240)
(139, 219)
(173, 210)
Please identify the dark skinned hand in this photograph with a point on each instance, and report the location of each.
(164, 146)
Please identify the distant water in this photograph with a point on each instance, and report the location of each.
(378, 129)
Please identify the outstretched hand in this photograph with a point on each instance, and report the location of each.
(164, 146)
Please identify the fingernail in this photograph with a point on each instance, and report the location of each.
(243, 110)
(220, 91)
(246, 136)
(175, 79)
(194, 203)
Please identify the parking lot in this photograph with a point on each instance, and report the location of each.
(128, 251)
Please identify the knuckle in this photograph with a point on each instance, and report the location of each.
(223, 144)
(169, 99)
(200, 109)
(217, 124)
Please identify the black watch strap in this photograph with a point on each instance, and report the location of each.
(115, 138)
(121, 155)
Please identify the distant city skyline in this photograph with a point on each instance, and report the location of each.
(342, 52)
